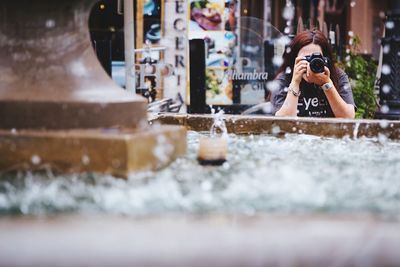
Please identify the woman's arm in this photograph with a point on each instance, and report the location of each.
(339, 107)
(289, 107)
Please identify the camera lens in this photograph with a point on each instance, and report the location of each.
(317, 65)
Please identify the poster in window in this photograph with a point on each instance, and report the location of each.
(152, 21)
(206, 15)
(215, 21)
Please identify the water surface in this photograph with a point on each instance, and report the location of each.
(294, 174)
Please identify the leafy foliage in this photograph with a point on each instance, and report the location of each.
(362, 75)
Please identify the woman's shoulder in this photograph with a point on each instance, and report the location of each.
(278, 85)
(343, 80)
(341, 74)
(281, 76)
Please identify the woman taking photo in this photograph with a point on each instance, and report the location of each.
(310, 85)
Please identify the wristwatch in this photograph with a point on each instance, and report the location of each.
(327, 86)
(296, 94)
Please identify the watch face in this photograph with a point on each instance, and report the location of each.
(327, 86)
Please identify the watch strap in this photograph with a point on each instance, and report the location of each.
(296, 94)
(327, 86)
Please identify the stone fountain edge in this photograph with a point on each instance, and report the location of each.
(255, 124)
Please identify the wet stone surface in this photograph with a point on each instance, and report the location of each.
(295, 174)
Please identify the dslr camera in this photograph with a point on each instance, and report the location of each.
(317, 62)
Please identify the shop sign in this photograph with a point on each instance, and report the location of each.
(175, 40)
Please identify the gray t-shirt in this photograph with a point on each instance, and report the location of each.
(312, 101)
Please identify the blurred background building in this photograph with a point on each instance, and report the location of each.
(170, 24)
(363, 17)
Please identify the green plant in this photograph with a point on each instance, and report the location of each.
(362, 74)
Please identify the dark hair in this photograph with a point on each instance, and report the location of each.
(305, 38)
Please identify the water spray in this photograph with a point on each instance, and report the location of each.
(213, 150)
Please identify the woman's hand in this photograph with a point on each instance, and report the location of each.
(300, 68)
(318, 78)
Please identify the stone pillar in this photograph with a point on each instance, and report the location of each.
(389, 91)
(58, 107)
(49, 74)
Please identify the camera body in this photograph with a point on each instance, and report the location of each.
(317, 62)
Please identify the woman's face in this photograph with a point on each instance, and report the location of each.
(308, 50)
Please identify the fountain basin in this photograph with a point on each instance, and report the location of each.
(263, 174)
(300, 200)
(239, 124)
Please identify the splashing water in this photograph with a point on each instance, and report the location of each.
(386, 49)
(218, 129)
(384, 109)
(386, 89)
(355, 131)
(288, 12)
(273, 85)
(35, 159)
(389, 24)
(298, 173)
(386, 69)
(288, 15)
(277, 61)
